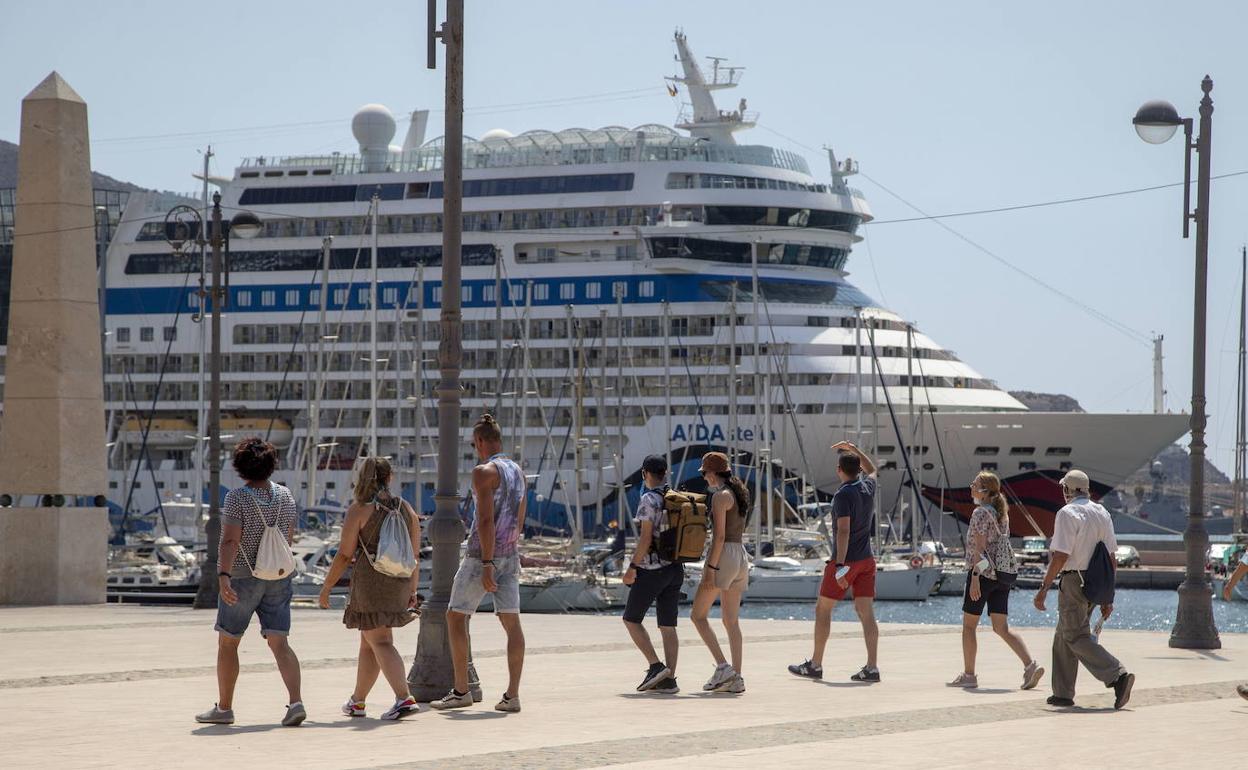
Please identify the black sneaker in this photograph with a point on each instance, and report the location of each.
(1122, 690)
(807, 669)
(668, 686)
(655, 674)
(866, 675)
(1053, 700)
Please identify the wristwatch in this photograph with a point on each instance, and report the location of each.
(488, 561)
(223, 574)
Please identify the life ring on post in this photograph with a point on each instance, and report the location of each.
(916, 561)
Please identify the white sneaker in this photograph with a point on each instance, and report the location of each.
(402, 708)
(736, 686)
(724, 673)
(508, 704)
(965, 681)
(1031, 675)
(353, 707)
(452, 700)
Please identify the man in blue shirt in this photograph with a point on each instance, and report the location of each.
(853, 506)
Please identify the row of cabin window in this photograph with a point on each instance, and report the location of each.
(987, 451)
(146, 334)
(390, 295)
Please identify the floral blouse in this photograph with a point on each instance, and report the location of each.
(996, 543)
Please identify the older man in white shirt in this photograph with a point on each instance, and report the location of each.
(1079, 526)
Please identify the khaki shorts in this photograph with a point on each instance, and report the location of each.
(734, 569)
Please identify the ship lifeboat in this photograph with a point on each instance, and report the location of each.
(164, 432)
(280, 432)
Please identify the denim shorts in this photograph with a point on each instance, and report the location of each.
(467, 590)
(269, 599)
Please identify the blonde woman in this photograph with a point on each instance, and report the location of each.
(993, 570)
(377, 602)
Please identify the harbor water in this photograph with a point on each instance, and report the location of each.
(1133, 609)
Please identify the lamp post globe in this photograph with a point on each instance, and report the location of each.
(245, 225)
(1156, 121)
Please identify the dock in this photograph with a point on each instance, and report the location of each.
(118, 686)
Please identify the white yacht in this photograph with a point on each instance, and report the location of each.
(626, 291)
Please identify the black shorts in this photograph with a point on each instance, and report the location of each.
(660, 587)
(993, 593)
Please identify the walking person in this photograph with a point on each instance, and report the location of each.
(1080, 525)
(853, 505)
(246, 514)
(993, 570)
(492, 565)
(726, 571)
(653, 580)
(377, 602)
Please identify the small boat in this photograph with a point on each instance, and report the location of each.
(783, 579)
(161, 570)
(952, 580)
(162, 432)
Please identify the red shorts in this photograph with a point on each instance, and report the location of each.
(861, 579)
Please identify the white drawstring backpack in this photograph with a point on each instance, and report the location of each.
(395, 556)
(274, 559)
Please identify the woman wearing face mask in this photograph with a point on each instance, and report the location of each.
(727, 570)
(993, 571)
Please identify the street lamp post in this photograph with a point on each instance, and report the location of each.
(1156, 122)
(178, 230)
(431, 674)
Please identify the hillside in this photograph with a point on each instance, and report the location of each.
(8, 172)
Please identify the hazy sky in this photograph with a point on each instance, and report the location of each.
(953, 106)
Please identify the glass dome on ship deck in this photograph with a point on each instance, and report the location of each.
(610, 144)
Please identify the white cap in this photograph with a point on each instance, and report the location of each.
(1076, 480)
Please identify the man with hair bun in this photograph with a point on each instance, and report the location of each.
(492, 565)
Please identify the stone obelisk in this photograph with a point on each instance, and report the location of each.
(54, 541)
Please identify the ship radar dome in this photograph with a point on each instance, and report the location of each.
(374, 127)
(496, 133)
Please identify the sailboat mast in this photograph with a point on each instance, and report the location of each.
(373, 449)
(667, 383)
(758, 525)
(732, 377)
(314, 410)
(914, 495)
(602, 415)
(1241, 430)
(621, 501)
(418, 388)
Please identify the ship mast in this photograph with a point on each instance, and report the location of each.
(703, 120)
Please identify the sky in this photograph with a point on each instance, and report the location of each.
(947, 107)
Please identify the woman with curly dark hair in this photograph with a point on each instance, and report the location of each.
(245, 515)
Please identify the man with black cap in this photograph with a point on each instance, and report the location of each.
(652, 580)
(1079, 526)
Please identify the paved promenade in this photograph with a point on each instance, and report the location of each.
(113, 686)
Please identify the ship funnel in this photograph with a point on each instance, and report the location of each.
(373, 127)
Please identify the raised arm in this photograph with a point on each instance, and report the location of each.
(868, 466)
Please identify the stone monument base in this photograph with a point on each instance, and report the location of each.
(53, 555)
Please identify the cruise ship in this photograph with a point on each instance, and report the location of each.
(626, 291)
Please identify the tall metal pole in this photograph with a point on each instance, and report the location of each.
(858, 374)
(418, 389)
(667, 384)
(1159, 388)
(911, 448)
(754, 459)
(602, 417)
(206, 596)
(201, 423)
(1241, 388)
(523, 420)
(373, 448)
(732, 377)
(622, 511)
(314, 409)
(1194, 627)
(431, 674)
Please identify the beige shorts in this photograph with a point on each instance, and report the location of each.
(734, 568)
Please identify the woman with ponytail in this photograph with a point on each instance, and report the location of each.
(377, 603)
(726, 571)
(993, 570)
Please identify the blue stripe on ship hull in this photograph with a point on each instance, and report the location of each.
(673, 288)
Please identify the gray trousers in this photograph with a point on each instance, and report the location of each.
(1073, 643)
